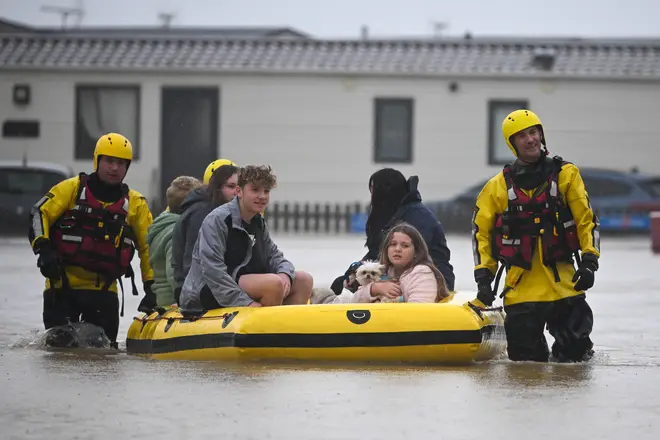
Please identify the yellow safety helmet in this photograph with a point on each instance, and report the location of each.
(214, 166)
(517, 121)
(113, 145)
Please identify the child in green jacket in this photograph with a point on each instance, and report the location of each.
(159, 239)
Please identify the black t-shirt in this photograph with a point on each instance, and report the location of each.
(257, 263)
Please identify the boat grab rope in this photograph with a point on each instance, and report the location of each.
(160, 317)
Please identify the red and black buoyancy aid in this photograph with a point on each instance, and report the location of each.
(95, 238)
(544, 214)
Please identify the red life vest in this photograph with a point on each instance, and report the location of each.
(95, 238)
(543, 214)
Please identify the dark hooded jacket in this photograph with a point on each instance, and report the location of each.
(412, 211)
(194, 210)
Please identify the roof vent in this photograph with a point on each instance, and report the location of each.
(544, 58)
(364, 32)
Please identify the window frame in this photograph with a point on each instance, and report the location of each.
(77, 126)
(651, 186)
(380, 103)
(495, 127)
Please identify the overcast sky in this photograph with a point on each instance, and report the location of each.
(343, 18)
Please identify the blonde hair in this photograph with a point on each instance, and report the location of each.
(421, 256)
(178, 190)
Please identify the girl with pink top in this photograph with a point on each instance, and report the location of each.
(411, 274)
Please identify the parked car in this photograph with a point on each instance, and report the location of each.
(622, 201)
(22, 184)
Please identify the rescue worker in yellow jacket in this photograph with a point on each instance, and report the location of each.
(534, 217)
(85, 231)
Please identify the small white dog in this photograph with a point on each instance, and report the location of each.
(369, 272)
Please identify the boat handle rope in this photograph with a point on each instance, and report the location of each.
(479, 311)
(146, 318)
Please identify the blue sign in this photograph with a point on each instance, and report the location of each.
(359, 223)
(625, 222)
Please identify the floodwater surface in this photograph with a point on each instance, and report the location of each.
(101, 394)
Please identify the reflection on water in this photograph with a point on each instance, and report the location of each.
(508, 375)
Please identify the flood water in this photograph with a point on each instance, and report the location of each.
(87, 394)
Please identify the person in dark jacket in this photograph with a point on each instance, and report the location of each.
(395, 199)
(194, 209)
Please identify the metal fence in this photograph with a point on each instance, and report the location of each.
(455, 218)
(337, 218)
(350, 218)
(317, 218)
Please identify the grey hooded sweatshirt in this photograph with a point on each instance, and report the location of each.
(222, 249)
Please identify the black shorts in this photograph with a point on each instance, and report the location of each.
(207, 299)
(97, 307)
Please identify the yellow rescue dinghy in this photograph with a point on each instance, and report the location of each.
(397, 332)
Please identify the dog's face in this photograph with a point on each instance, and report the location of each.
(369, 272)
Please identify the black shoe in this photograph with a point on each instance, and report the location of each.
(97, 342)
(59, 337)
(563, 359)
(588, 355)
(578, 351)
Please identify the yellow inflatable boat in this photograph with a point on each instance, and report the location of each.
(397, 332)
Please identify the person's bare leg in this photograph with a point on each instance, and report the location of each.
(266, 288)
(301, 289)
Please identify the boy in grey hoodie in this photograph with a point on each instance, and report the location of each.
(235, 263)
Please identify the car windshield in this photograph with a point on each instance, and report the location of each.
(652, 186)
(28, 181)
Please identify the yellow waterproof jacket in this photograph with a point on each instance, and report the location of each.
(537, 284)
(60, 199)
